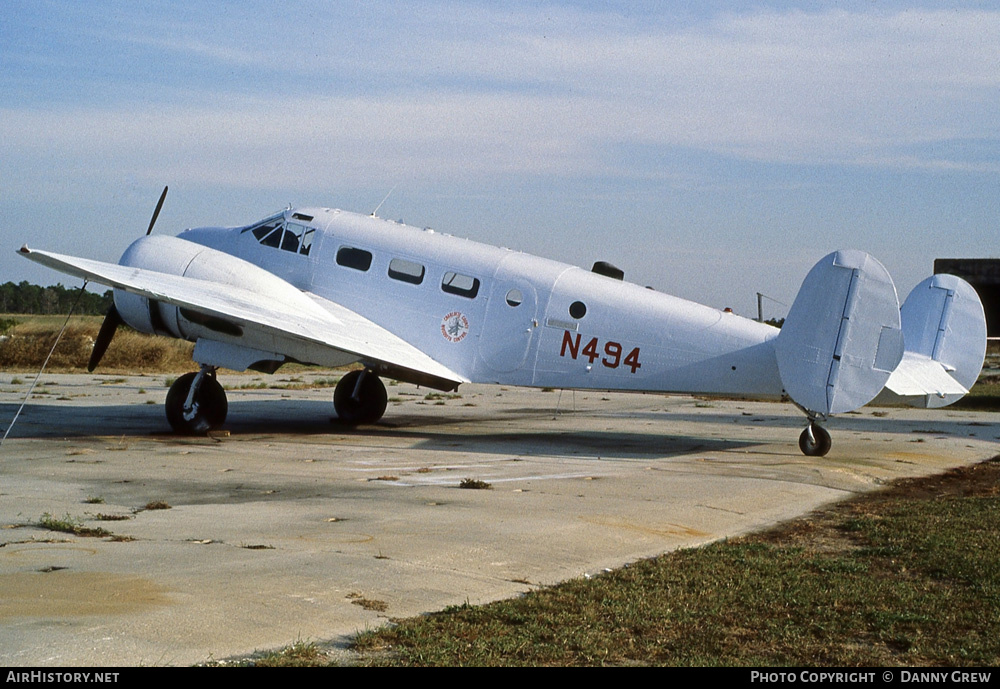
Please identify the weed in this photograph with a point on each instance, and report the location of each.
(474, 484)
(71, 525)
(368, 603)
(257, 385)
(157, 505)
(94, 500)
(437, 396)
(299, 654)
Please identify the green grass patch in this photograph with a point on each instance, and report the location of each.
(71, 525)
(905, 576)
(298, 654)
(984, 395)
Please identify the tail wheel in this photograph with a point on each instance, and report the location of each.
(360, 398)
(208, 407)
(815, 441)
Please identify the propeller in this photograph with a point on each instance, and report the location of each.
(113, 319)
(156, 213)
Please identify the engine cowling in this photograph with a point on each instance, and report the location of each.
(176, 256)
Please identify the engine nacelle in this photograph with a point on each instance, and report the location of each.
(176, 256)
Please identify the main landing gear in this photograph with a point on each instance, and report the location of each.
(196, 403)
(815, 440)
(359, 398)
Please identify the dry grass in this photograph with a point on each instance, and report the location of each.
(130, 351)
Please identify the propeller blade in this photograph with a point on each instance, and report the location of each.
(159, 205)
(108, 328)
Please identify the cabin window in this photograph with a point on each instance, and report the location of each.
(577, 309)
(407, 271)
(358, 259)
(514, 297)
(462, 285)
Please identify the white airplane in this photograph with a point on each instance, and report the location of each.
(331, 288)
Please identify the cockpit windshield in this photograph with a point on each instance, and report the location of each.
(276, 233)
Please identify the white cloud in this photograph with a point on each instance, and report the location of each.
(552, 92)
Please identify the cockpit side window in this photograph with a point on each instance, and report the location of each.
(290, 242)
(293, 233)
(307, 240)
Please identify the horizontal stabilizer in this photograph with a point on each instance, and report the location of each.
(842, 337)
(919, 376)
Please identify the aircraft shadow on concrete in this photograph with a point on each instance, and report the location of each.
(446, 431)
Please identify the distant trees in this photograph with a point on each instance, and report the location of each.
(32, 299)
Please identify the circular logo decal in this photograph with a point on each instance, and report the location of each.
(455, 326)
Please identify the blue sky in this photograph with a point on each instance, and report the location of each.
(709, 149)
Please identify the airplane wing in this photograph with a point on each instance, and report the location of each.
(302, 327)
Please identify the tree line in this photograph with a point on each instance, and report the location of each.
(31, 299)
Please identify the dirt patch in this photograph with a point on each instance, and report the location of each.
(61, 593)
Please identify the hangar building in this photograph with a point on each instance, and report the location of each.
(984, 275)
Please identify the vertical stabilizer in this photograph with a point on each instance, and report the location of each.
(842, 337)
(944, 328)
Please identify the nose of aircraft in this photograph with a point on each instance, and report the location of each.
(212, 237)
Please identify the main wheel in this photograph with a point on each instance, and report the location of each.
(815, 441)
(367, 406)
(208, 410)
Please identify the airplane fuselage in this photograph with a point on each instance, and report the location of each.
(494, 315)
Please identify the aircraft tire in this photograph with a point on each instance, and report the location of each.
(817, 444)
(212, 406)
(370, 403)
